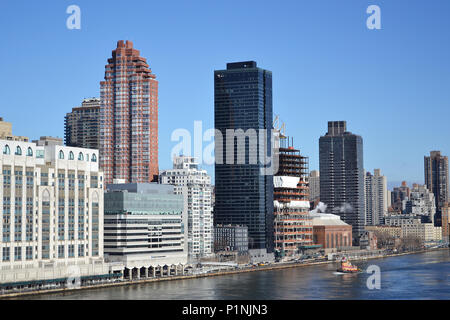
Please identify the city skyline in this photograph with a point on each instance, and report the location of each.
(410, 85)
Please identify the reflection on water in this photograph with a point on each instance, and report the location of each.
(417, 276)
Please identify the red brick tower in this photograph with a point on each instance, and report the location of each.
(129, 118)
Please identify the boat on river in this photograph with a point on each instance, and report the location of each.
(347, 267)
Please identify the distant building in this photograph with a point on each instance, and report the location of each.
(390, 231)
(446, 223)
(399, 196)
(144, 229)
(401, 219)
(368, 241)
(231, 238)
(6, 132)
(49, 141)
(188, 178)
(314, 185)
(436, 180)
(376, 198)
(421, 203)
(330, 231)
(426, 232)
(82, 125)
(342, 175)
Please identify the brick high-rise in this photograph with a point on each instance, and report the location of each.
(129, 118)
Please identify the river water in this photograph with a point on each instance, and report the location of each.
(415, 276)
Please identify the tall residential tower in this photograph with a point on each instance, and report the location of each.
(129, 118)
(342, 175)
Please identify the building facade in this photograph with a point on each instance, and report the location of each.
(186, 176)
(422, 203)
(231, 238)
(292, 223)
(330, 231)
(51, 212)
(436, 180)
(243, 191)
(426, 232)
(129, 118)
(6, 132)
(399, 196)
(376, 197)
(342, 175)
(446, 223)
(314, 185)
(144, 229)
(82, 125)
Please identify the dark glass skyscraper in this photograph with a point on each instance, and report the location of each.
(243, 195)
(436, 180)
(342, 175)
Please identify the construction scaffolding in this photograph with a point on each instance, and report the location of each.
(292, 224)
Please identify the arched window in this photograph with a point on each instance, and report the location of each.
(94, 158)
(61, 154)
(30, 152)
(6, 150)
(80, 156)
(71, 156)
(18, 151)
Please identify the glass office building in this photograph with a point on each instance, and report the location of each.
(243, 194)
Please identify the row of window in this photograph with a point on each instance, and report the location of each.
(7, 151)
(80, 156)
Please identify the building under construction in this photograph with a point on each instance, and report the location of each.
(293, 226)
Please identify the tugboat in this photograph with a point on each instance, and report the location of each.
(347, 267)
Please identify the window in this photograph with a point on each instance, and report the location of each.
(94, 158)
(18, 151)
(30, 152)
(87, 157)
(17, 253)
(6, 150)
(80, 157)
(5, 256)
(61, 154)
(71, 156)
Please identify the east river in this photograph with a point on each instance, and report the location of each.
(414, 276)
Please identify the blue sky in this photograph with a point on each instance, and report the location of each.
(391, 85)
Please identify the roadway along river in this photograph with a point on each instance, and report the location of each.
(415, 276)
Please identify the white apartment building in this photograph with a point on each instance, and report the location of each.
(376, 197)
(421, 202)
(51, 212)
(426, 232)
(187, 177)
